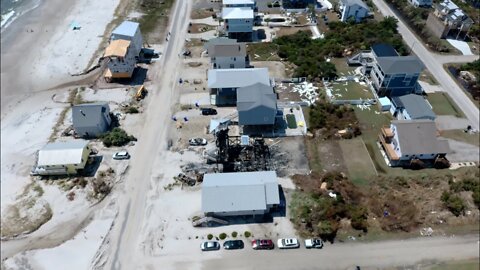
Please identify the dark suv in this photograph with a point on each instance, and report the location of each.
(233, 244)
(262, 244)
(208, 111)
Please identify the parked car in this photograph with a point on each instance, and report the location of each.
(121, 155)
(210, 245)
(313, 243)
(285, 243)
(197, 141)
(262, 244)
(233, 244)
(208, 111)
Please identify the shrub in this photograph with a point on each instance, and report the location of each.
(234, 234)
(454, 203)
(132, 110)
(358, 218)
(210, 236)
(222, 236)
(247, 234)
(116, 137)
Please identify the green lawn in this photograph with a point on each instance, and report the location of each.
(342, 67)
(358, 162)
(443, 105)
(350, 90)
(460, 135)
(266, 51)
(457, 265)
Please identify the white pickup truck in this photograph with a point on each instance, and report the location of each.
(313, 243)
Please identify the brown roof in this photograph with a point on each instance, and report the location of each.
(118, 48)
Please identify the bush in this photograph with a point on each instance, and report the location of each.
(247, 234)
(132, 110)
(454, 203)
(116, 137)
(358, 218)
(222, 236)
(210, 236)
(234, 234)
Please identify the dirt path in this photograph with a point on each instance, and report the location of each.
(152, 144)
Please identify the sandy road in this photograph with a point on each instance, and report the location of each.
(124, 253)
(434, 64)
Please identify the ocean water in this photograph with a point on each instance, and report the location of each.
(12, 9)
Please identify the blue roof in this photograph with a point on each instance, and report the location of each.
(127, 28)
(383, 50)
(384, 101)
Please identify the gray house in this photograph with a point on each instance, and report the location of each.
(411, 107)
(223, 83)
(256, 105)
(392, 74)
(130, 31)
(91, 119)
(239, 194)
(421, 3)
(353, 9)
(227, 53)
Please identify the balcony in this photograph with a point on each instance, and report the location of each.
(392, 155)
(387, 134)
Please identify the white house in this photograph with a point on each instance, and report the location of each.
(421, 3)
(406, 140)
(240, 193)
(227, 53)
(121, 59)
(238, 3)
(129, 31)
(62, 158)
(238, 22)
(355, 9)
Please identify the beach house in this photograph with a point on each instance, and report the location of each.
(239, 3)
(256, 105)
(91, 119)
(355, 10)
(421, 3)
(130, 31)
(238, 22)
(121, 61)
(411, 107)
(448, 20)
(62, 158)
(227, 53)
(240, 193)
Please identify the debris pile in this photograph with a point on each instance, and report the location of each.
(308, 92)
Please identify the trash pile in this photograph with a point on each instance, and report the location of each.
(308, 92)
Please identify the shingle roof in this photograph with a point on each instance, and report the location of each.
(415, 105)
(256, 105)
(117, 47)
(126, 28)
(419, 137)
(227, 50)
(88, 114)
(238, 77)
(237, 13)
(383, 50)
(355, 2)
(62, 153)
(400, 64)
(244, 191)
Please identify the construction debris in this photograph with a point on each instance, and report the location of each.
(308, 92)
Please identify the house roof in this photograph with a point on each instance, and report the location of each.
(118, 48)
(244, 191)
(355, 2)
(253, 97)
(227, 50)
(419, 137)
(415, 105)
(400, 64)
(384, 101)
(383, 50)
(88, 114)
(126, 28)
(237, 13)
(238, 77)
(62, 153)
(238, 2)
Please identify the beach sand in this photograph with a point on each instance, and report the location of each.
(40, 49)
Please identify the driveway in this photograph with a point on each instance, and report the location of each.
(434, 63)
(448, 122)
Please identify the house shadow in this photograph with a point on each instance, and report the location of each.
(92, 166)
(139, 77)
(259, 35)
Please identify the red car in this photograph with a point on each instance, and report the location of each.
(262, 244)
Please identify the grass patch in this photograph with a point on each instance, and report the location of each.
(358, 162)
(201, 14)
(314, 161)
(460, 135)
(265, 51)
(350, 90)
(154, 18)
(291, 121)
(457, 265)
(443, 105)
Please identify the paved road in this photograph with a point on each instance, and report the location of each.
(376, 255)
(152, 144)
(434, 64)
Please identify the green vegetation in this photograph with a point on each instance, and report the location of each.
(453, 202)
(210, 236)
(264, 51)
(116, 137)
(247, 234)
(155, 15)
(442, 104)
(333, 117)
(468, 184)
(357, 160)
(132, 110)
(352, 90)
(474, 67)
(234, 234)
(309, 54)
(461, 135)
(222, 236)
(457, 265)
(291, 121)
